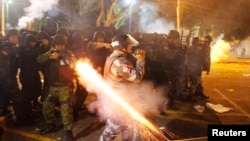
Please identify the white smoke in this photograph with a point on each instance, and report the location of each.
(243, 50)
(151, 22)
(36, 10)
(222, 50)
(143, 97)
(110, 101)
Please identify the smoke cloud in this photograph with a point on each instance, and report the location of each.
(151, 22)
(36, 10)
(143, 97)
(243, 50)
(111, 100)
(222, 51)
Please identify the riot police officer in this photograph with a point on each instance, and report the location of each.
(10, 90)
(61, 78)
(120, 71)
(174, 67)
(98, 50)
(206, 52)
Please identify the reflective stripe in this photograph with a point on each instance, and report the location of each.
(115, 43)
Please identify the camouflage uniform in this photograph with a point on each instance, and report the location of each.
(119, 71)
(58, 94)
(61, 88)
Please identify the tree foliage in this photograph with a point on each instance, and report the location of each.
(217, 16)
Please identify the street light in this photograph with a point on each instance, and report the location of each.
(7, 9)
(130, 16)
(3, 14)
(178, 15)
(130, 13)
(2, 21)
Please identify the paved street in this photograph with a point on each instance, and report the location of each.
(227, 84)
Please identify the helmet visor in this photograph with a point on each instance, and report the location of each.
(131, 41)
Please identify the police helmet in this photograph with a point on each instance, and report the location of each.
(208, 38)
(12, 32)
(173, 34)
(98, 34)
(62, 31)
(195, 40)
(123, 40)
(50, 25)
(59, 40)
(30, 38)
(43, 35)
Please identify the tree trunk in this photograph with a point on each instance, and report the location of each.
(99, 19)
(110, 14)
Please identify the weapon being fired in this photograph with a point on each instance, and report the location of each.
(93, 81)
(65, 56)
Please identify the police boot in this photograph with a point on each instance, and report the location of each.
(69, 135)
(50, 128)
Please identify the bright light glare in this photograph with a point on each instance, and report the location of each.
(128, 2)
(8, 1)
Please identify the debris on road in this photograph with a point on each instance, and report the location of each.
(218, 107)
(199, 108)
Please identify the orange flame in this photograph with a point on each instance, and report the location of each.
(89, 76)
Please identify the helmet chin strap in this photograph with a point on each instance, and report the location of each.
(122, 51)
